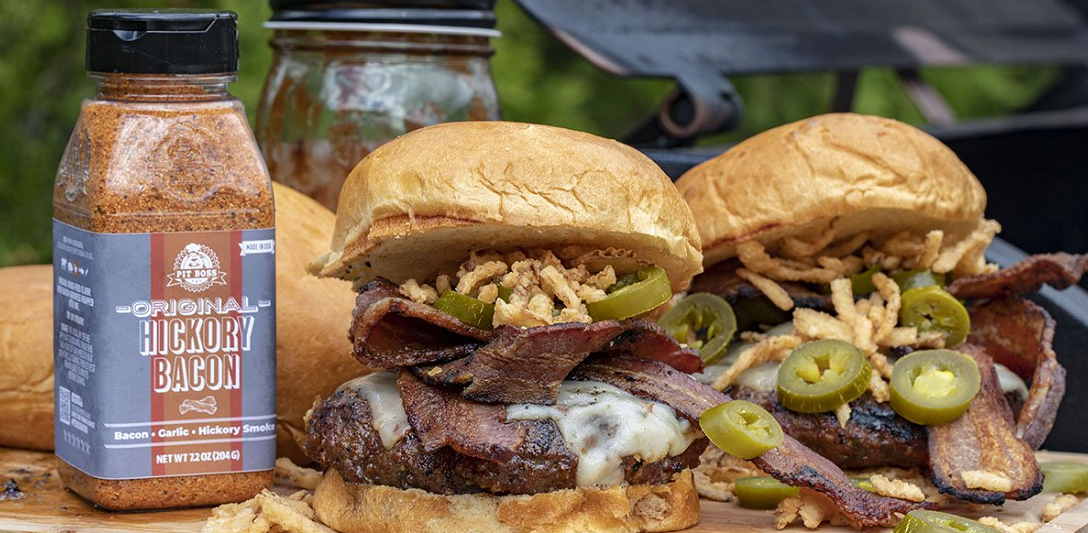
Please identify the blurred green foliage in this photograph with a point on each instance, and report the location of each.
(539, 80)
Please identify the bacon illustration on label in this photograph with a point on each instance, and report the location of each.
(203, 405)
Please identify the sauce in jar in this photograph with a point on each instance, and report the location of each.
(345, 81)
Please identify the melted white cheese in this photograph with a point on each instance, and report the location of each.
(763, 377)
(1010, 382)
(602, 424)
(386, 410)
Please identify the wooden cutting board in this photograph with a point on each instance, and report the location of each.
(47, 507)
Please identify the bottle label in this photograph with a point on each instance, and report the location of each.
(164, 352)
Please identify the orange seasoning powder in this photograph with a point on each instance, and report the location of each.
(164, 314)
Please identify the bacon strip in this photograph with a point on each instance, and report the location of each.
(390, 331)
(791, 462)
(648, 340)
(651, 380)
(440, 418)
(1019, 334)
(794, 464)
(523, 365)
(504, 365)
(984, 438)
(1060, 270)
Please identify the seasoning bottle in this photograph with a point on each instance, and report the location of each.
(163, 241)
(348, 76)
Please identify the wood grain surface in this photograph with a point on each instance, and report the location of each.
(47, 507)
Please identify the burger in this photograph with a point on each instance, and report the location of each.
(850, 250)
(509, 277)
(491, 260)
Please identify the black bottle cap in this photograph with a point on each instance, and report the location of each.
(162, 41)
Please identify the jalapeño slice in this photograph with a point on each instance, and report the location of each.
(912, 279)
(707, 318)
(863, 281)
(753, 311)
(922, 521)
(821, 375)
(862, 483)
(933, 387)
(741, 429)
(505, 293)
(1064, 476)
(465, 308)
(762, 492)
(933, 309)
(651, 290)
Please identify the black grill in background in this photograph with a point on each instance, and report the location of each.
(1034, 165)
(700, 42)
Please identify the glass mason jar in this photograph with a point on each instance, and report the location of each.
(345, 81)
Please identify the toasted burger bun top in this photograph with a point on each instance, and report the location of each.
(26, 357)
(313, 316)
(860, 172)
(417, 205)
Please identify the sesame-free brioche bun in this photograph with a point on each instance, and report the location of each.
(312, 317)
(358, 508)
(26, 357)
(858, 172)
(417, 205)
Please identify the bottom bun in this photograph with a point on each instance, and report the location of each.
(358, 508)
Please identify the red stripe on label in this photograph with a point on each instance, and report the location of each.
(158, 291)
(236, 285)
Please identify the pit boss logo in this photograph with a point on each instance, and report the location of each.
(196, 269)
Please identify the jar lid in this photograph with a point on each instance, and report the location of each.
(162, 41)
(278, 5)
(430, 13)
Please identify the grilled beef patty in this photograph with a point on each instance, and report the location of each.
(874, 436)
(341, 436)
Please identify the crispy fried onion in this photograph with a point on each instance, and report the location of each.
(1022, 526)
(1032, 520)
(815, 258)
(769, 349)
(267, 512)
(896, 488)
(811, 508)
(773, 291)
(1019, 334)
(756, 259)
(976, 453)
(295, 475)
(1059, 505)
(717, 471)
(966, 256)
(539, 282)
